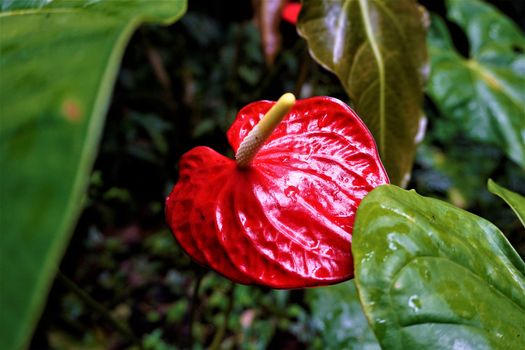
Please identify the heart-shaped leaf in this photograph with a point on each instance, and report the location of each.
(378, 51)
(514, 200)
(58, 63)
(484, 94)
(286, 220)
(431, 275)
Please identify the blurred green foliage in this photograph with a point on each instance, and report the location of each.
(482, 92)
(179, 87)
(59, 60)
(338, 320)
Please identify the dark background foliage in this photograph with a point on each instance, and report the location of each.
(179, 87)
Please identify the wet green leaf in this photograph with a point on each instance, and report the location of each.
(514, 200)
(431, 275)
(58, 63)
(378, 51)
(339, 319)
(484, 93)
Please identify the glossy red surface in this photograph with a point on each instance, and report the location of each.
(291, 12)
(286, 221)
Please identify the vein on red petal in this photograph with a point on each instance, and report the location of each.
(201, 172)
(231, 269)
(201, 225)
(312, 142)
(325, 167)
(326, 191)
(239, 248)
(321, 257)
(183, 202)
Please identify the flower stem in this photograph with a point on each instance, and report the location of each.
(219, 335)
(253, 142)
(122, 328)
(193, 306)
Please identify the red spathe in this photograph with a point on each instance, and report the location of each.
(286, 221)
(291, 12)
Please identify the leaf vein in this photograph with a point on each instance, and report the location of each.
(381, 72)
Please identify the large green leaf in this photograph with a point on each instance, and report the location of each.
(58, 62)
(515, 201)
(338, 318)
(377, 49)
(485, 93)
(431, 275)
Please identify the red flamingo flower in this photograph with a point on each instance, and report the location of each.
(281, 214)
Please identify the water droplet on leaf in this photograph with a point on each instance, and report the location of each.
(414, 303)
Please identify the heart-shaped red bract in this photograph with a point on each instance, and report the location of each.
(285, 221)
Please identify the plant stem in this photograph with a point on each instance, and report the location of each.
(193, 306)
(99, 308)
(219, 335)
(276, 70)
(304, 72)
